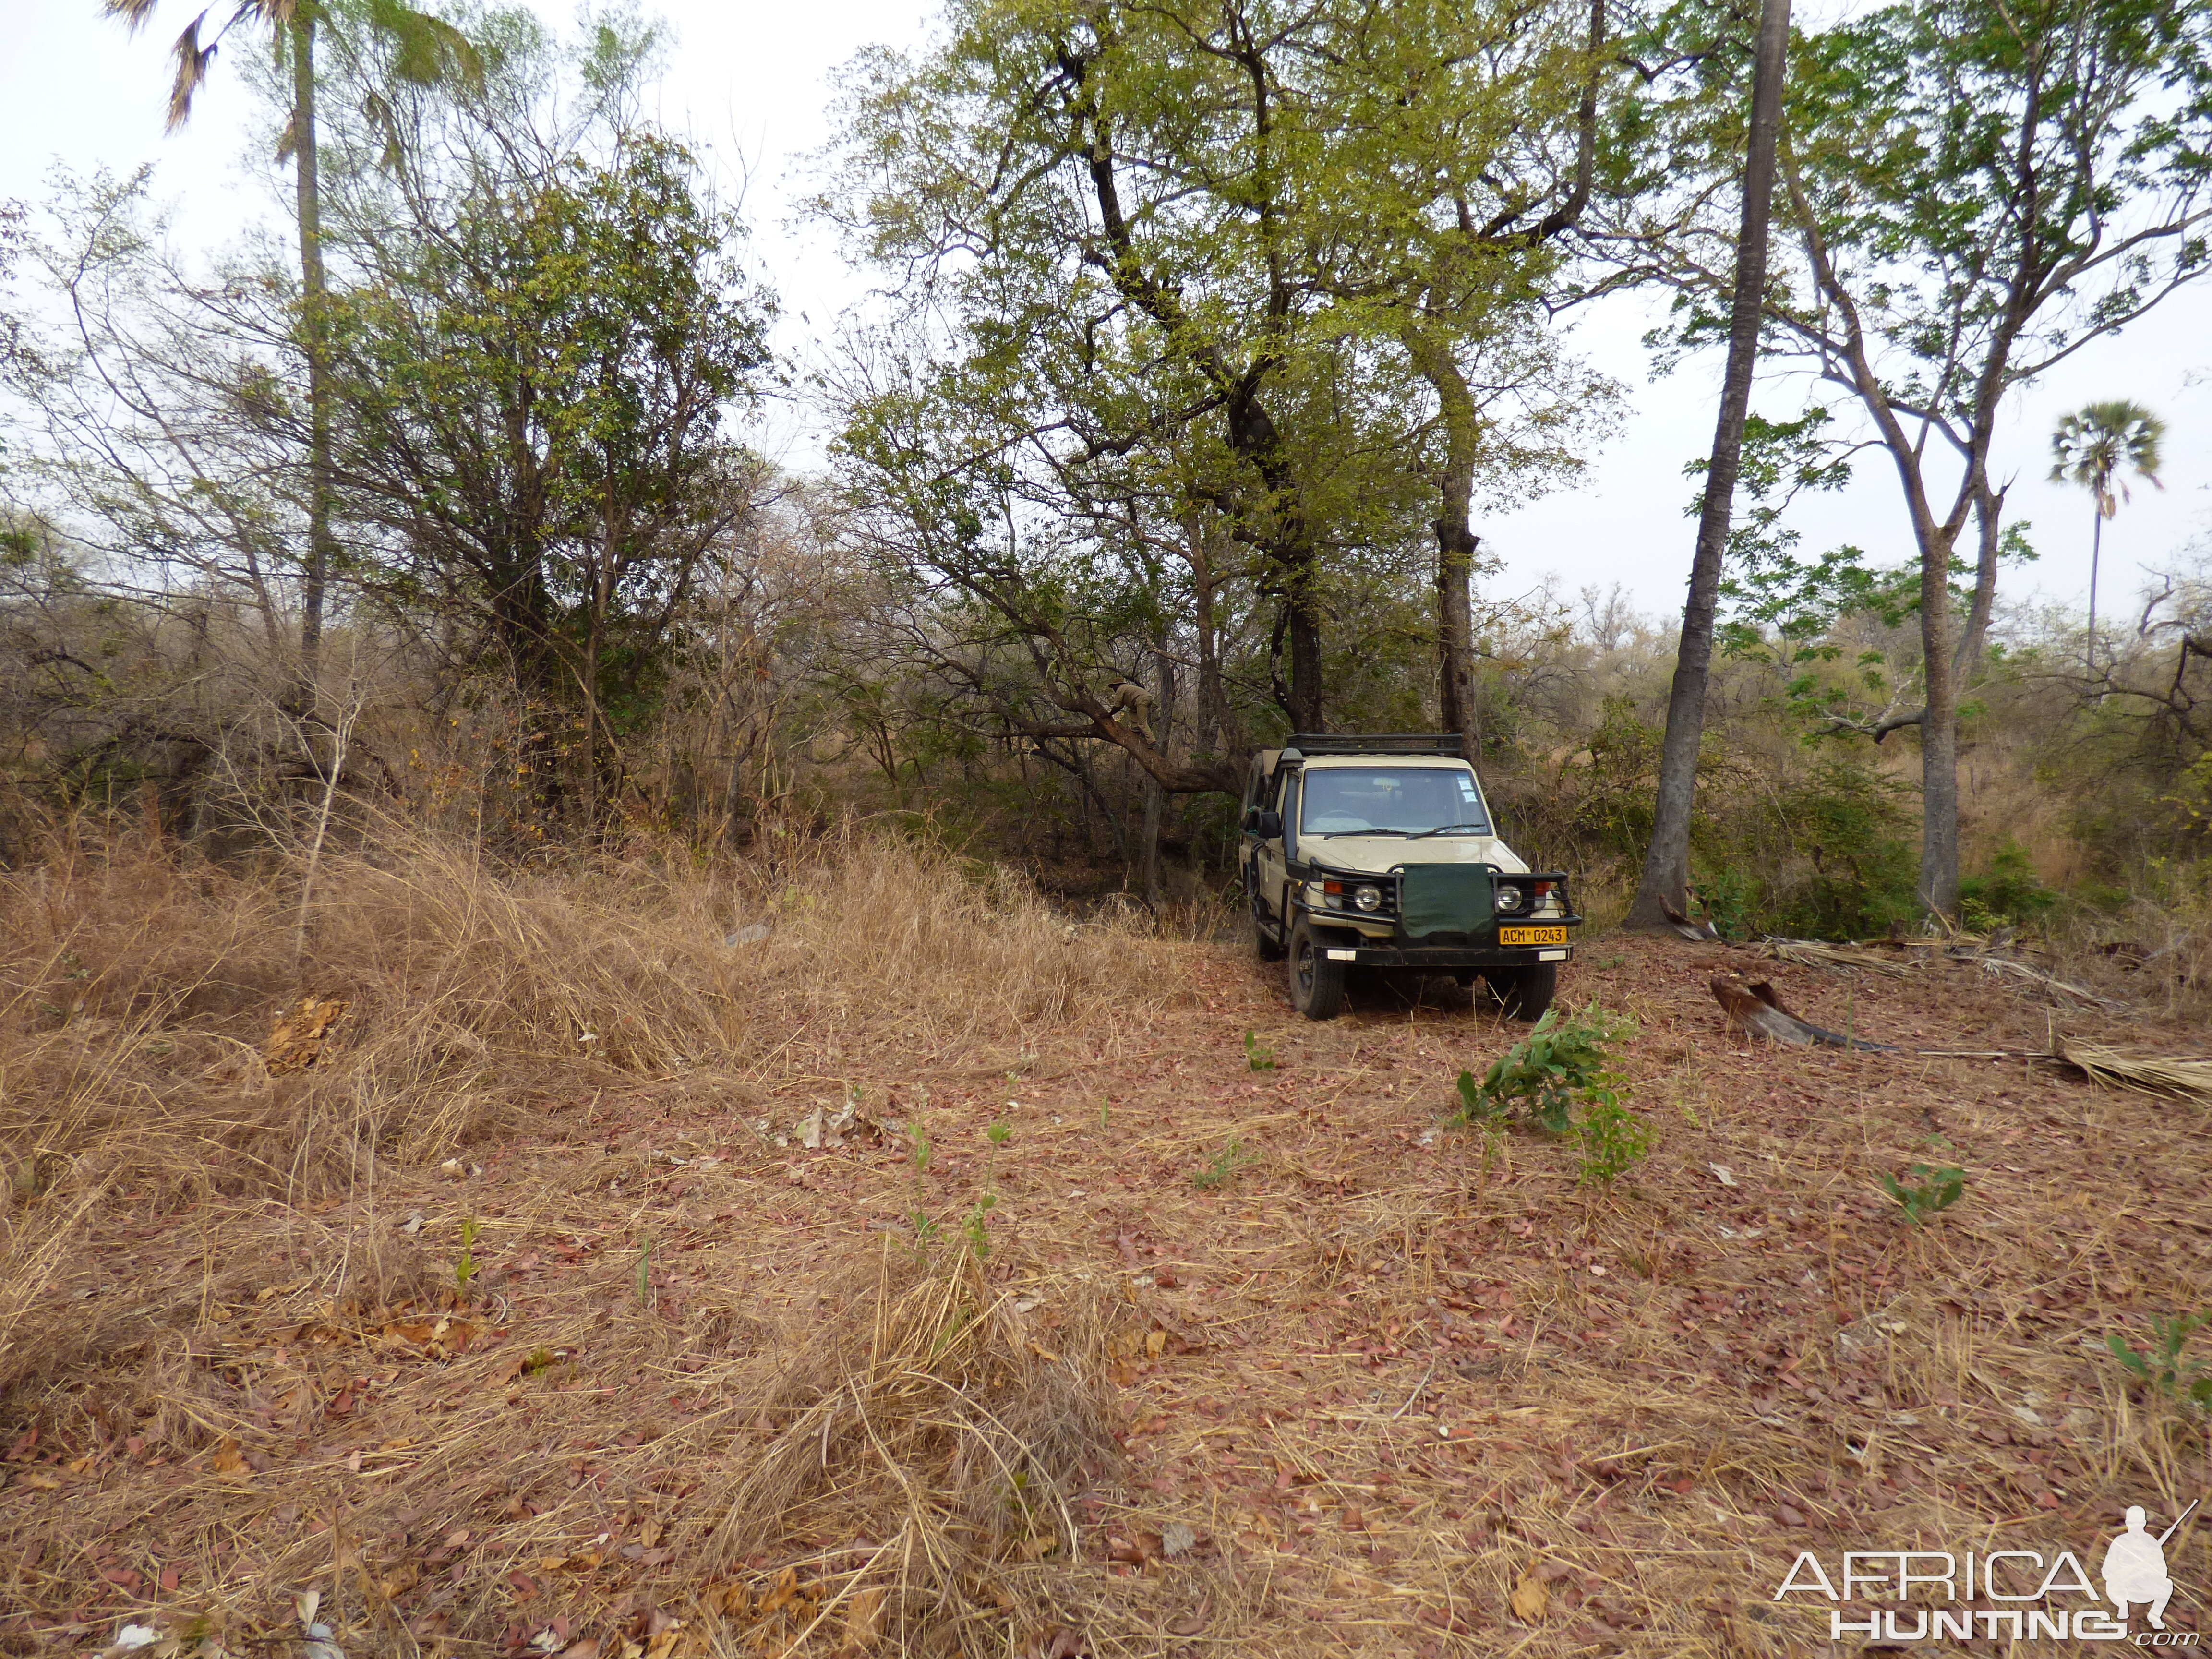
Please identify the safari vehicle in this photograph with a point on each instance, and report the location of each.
(1380, 852)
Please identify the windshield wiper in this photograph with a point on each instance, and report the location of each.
(1442, 829)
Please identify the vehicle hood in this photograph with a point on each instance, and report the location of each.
(1376, 855)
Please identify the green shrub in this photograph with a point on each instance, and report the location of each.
(1850, 821)
(1559, 1062)
(1728, 899)
(2008, 894)
(2161, 1366)
(1614, 1140)
(1932, 1191)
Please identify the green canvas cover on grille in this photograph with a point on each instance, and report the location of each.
(1444, 898)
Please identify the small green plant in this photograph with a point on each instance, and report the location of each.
(1614, 1140)
(1226, 1164)
(465, 1268)
(541, 1360)
(1932, 1190)
(1559, 1062)
(2161, 1366)
(645, 1271)
(1105, 1113)
(1258, 1055)
(976, 1225)
(1725, 900)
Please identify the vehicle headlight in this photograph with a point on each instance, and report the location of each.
(1508, 898)
(1368, 898)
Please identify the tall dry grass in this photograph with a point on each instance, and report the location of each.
(139, 986)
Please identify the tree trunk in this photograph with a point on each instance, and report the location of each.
(1457, 541)
(2096, 552)
(1989, 538)
(1455, 544)
(1217, 724)
(1666, 862)
(1939, 735)
(312, 291)
(1305, 644)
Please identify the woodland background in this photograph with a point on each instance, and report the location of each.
(1212, 331)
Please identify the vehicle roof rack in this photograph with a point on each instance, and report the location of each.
(1375, 743)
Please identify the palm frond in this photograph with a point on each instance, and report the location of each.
(193, 61)
(133, 12)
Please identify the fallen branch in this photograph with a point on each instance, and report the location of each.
(1697, 932)
(1757, 1011)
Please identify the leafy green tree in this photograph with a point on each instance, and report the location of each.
(1181, 292)
(535, 381)
(1971, 193)
(1461, 149)
(2095, 446)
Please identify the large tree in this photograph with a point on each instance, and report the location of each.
(1666, 876)
(535, 369)
(1177, 278)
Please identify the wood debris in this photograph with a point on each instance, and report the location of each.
(1757, 1011)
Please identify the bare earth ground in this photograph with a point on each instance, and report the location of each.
(1365, 1374)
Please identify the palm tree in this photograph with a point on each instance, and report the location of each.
(2094, 446)
(430, 50)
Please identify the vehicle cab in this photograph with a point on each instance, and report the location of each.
(1380, 851)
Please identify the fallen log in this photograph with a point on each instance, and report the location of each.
(1757, 1011)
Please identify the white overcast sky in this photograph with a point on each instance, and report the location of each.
(753, 81)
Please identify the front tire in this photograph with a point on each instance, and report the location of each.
(1316, 983)
(1523, 993)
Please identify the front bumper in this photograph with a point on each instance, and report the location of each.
(1367, 953)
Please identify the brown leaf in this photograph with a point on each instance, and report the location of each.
(731, 1600)
(1138, 1549)
(864, 1616)
(1194, 1621)
(781, 1593)
(229, 1464)
(1531, 1600)
(401, 1579)
(1154, 1341)
(1352, 1519)
(1035, 1547)
(587, 1649)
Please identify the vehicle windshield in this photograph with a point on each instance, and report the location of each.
(1405, 800)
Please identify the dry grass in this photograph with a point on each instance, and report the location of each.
(709, 1390)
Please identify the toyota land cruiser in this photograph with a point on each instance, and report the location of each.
(1380, 852)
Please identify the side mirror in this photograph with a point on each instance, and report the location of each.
(1265, 824)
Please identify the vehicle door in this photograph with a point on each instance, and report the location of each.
(1271, 860)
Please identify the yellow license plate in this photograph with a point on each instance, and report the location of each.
(1532, 936)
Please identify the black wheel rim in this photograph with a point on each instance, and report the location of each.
(1305, 960)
